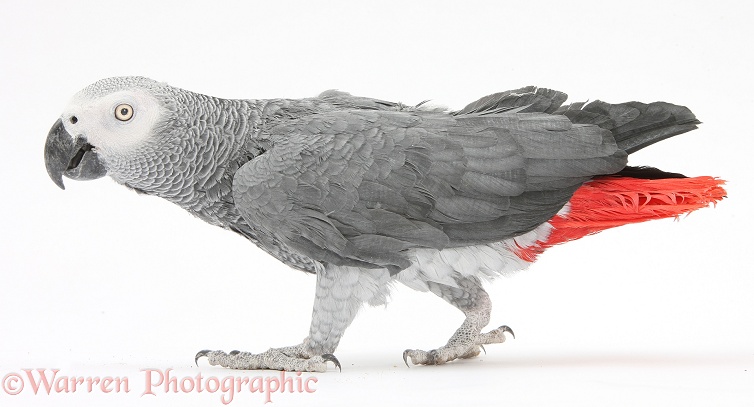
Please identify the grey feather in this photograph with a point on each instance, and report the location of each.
(535, 99)
(634, 125)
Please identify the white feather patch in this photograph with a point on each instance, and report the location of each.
(370, 286)
(485, 261)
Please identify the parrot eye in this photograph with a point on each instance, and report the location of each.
(74, 119)
(124, 112)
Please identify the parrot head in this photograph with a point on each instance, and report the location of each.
(110, 119)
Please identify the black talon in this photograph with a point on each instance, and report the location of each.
(200, 354)
(234, 352)
(485, 350)
(329, 357)
(405, 357)
(506, 328)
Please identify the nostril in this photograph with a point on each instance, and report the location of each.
(74, 119)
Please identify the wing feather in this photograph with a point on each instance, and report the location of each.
(361, 186)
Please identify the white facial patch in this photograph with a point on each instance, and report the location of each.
(101, 120)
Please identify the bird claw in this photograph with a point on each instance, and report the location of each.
(508, 329)
(200, 354)
(329, 357)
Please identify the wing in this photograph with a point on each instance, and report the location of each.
(361, 187)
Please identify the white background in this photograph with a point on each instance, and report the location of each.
(97, 281)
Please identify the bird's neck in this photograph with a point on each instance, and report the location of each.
(193, 161)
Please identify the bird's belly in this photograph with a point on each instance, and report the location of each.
(485, 261)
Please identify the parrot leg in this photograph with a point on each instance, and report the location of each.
(468, 340)
(340, 293)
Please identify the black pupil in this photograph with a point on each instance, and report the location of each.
(124, 111)
(74, 119)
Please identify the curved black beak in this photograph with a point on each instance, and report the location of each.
(74, 158)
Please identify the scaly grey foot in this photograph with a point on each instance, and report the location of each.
(287, 359)
(457, 348)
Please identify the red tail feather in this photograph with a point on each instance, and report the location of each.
(614, 201)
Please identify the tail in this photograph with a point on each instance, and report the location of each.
(637, 194)
(634, 125)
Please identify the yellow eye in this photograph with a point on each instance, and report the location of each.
(124, 112)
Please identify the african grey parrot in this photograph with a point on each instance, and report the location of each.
(364, 192)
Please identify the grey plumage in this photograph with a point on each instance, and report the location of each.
(442, 176)
(337, 183)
